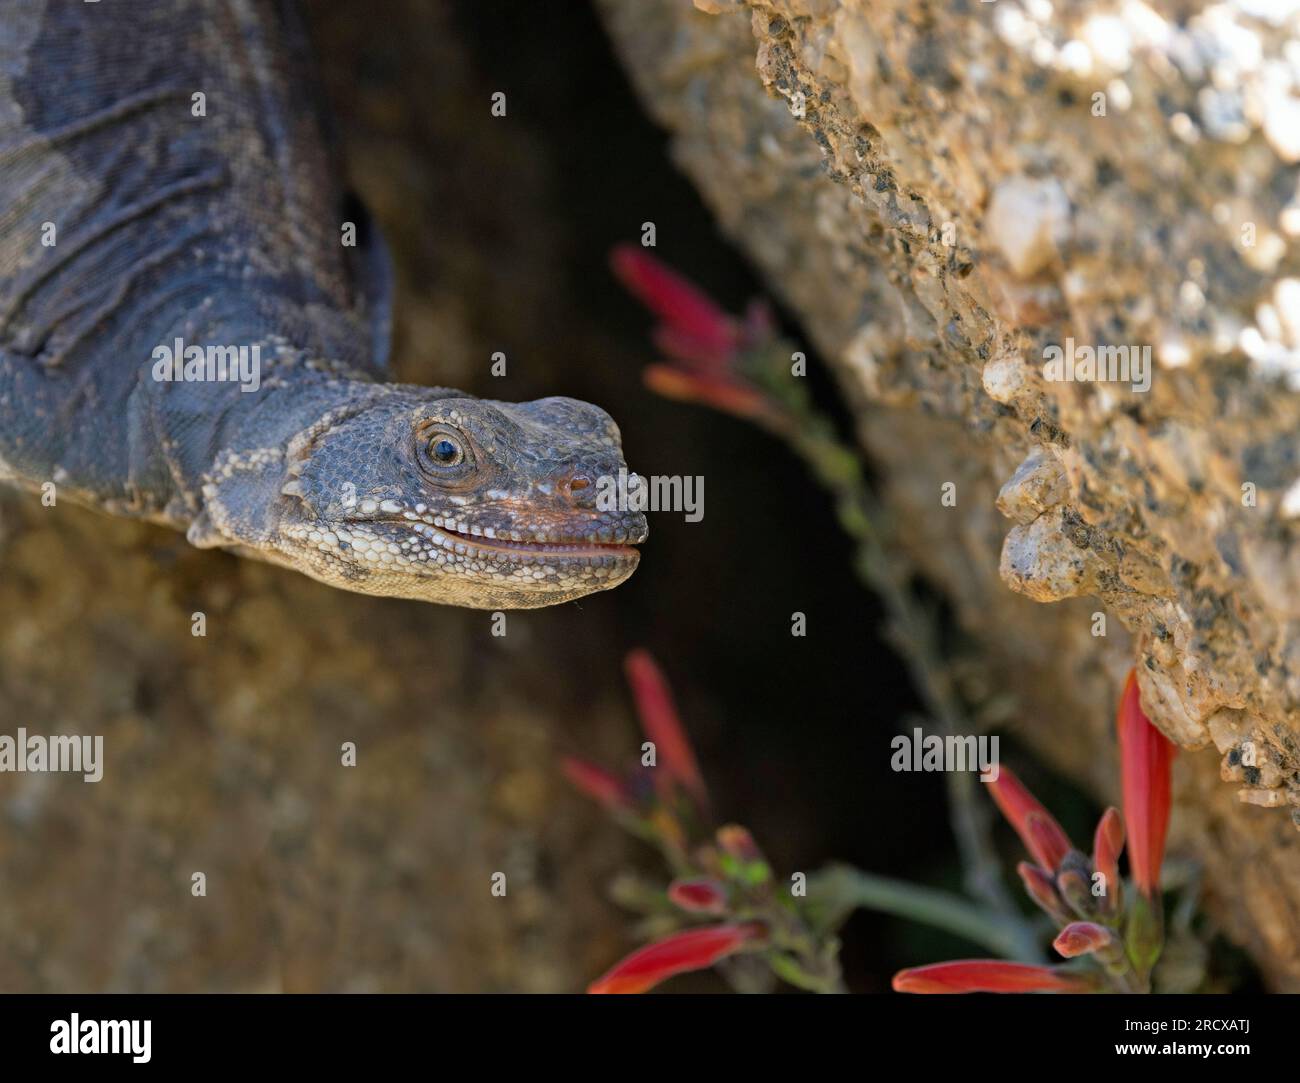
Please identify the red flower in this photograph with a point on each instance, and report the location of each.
(1125, 940)
(1107, 843)
(988, 976)
(1038, 830)
(1146, 756)
(604, 786)
(694, 328)
(1081, 938)
(729, 396)
(1041, 887)
(694, 949)
(661, 723)
(704, 342)
(698, 896)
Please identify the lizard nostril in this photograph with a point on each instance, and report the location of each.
(579, 481)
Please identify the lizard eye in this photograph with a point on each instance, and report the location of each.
(445, 451)
(445, 455)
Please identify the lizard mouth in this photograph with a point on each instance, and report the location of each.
(576, 549)
(419, 536)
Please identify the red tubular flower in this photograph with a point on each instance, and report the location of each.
(988, 976)
(1042, 889)
(694, 949)
(661, 723)
(1107, 843)
(704, 342)
(697, 330)
(722, 393)
(697, 357)
(597, 783)
(699, 896)
(1081, 938)
(1146, 757)
(1046, 836)
(1038, 830)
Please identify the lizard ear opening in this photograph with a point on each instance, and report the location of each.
(242, 504)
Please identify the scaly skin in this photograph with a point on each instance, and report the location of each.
(361, 501)
(130, 216)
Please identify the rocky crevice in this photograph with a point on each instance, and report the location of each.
(948, 194)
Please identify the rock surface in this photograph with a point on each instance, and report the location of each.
(945, 193)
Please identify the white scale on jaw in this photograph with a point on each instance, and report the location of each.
(459, 538)
(455, 537)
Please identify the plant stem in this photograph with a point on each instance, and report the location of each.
(839, 888)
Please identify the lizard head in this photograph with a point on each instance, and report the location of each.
(463, 501)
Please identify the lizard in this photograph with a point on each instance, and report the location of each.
(170, 208)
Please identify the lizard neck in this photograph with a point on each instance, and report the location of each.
(161, 424)
(230, 468)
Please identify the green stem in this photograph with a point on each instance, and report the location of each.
(840, 888)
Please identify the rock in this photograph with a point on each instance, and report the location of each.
(1000, 178)
(1282, 127)
(1039, 483)
(1045, 563)
(1028, 221)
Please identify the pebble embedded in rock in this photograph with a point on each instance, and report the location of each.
(1028, 221)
